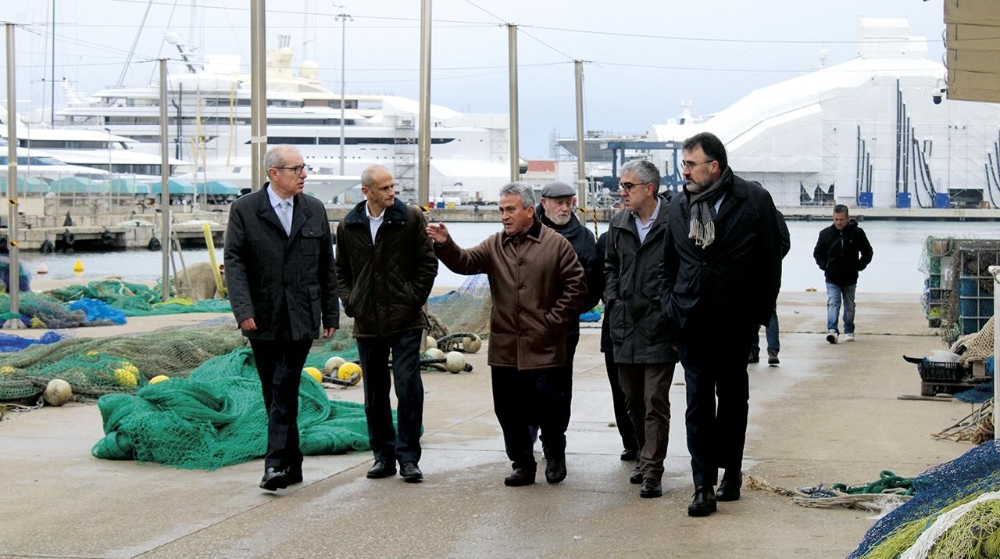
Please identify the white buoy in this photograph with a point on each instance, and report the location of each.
(472, 344)
(454, 362)
(434, 353)
(431, 342)
(333, 364)
(43, 269)
(58, 392)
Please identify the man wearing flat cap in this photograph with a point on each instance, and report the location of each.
(556, 212)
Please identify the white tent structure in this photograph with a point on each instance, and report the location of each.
(877, 129)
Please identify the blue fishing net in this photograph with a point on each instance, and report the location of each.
(973, 473)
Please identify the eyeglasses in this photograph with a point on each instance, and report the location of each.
(628, 186)
(296, 169)
(689, 165)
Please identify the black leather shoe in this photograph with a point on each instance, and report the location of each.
(635, 477)
(520, 477)
(410, 472)
(772, 358)
(294, 477)
(629, 454)
(555, 470)
(650, 489)
(729, 489)
(381, 469)
(274, 479)
(754, 358)
(703, 503)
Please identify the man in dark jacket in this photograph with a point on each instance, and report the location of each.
(282, 288)
(630, 443)
(771, 331)
(722, 273)
(643, 348)
(842, 251)
(556, 212)
(386, 268)
(538, 287)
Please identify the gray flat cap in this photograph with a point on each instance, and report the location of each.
(557, 190)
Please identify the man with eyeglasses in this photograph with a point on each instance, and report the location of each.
(722, 273)
(642, 347)
(283, 290)
(556, 212)
(386, 269)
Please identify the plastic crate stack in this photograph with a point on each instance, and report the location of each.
(937, 256)
(974, 284)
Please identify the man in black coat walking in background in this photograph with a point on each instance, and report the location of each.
(842, 251)
(722, 273)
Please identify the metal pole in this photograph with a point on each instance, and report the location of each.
(52, 84)
(581, 155)
(343, 61)
(424, 126)
(515, 158)
(164, 183)
(258, 92)
(995, 272)
(14, 273)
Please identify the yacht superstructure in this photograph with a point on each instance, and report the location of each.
(209, 125)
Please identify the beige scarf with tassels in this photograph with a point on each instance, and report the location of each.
(702, 224)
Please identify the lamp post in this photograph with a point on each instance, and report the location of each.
(342, 18)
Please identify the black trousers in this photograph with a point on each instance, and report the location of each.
(525, 398)
(374, 356)
(279, 366)
(622, 420)
(572, 340)
(715, 366)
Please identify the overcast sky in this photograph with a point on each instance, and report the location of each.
(643, 57)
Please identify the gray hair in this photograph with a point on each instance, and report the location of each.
(368, 175)
(645, 170)
(275, 157)
(519, 189)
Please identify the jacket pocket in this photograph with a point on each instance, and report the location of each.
(315, 307)
(310, 239)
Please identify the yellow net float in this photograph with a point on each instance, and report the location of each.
(314, 373)
(347, 370)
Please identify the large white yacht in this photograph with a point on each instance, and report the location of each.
(209, 123)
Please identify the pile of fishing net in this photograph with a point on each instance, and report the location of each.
(955, 512)
(466, 309)
(135, 299)
(215, 417)
(119, 364)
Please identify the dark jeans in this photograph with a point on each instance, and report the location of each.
(647, 396)
(625, 429)
(279, 366)
(374, 356)
(771, 333)
(715, 364)
(525, 398)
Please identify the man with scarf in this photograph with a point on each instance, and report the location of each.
(722, 273)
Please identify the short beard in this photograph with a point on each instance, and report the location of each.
(560, 220)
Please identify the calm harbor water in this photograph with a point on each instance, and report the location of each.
(898, 247)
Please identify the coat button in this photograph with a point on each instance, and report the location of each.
(521, 262)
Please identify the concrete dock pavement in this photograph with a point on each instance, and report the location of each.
(828, 413)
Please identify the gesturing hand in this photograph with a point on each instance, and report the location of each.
(437, 232)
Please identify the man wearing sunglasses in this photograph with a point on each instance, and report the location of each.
(283, 290)
(642, 348)
(722, 273)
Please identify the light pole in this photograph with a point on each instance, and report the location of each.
(342, 18)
